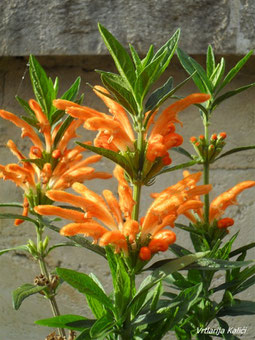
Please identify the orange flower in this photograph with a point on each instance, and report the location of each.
(217, 206)
(53, 165)
(115, 131)
(110, 220)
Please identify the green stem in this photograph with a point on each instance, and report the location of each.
(45, 272)
(137, 186)
(206, 172)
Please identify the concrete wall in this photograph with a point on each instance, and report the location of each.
(70, 27)
(66, 33)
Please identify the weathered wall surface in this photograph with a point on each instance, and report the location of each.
(236, 117)
(70, 27)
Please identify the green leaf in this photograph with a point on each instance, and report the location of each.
(120, 56)
(85, 285)
(226, 335)
(65, 244)
(232, 73)
(31, 121)
(179, 250)
(242, 249)
(96, 307)
(218, 74)
(22, 247)
(82, 241)
(190, 68)
(43, 88)
(56, 86)
(68, 321)
(9, 216)
(182, 151)
(241, 148)
(84, 335)
(102, 327)
(39, 162)
(164, 271)
(210, 61)
(158, 95)
(23, 292)
(229, 94)
(239, 307)
(62, 131)
(177, 167)
(26, 107)
(148, 56)
(114, 83)
(202, 74)
(136, 59)
(113, 156)
(148, 76)
(169, 48)
(216, 264)
(11, 205)
(245, 285)
(72, 93)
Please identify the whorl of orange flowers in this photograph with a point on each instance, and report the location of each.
(110, 220)
(115, 131)
(57, 167)
(218, 205)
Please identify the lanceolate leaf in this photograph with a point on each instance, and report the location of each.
(158, 96)
(9, 216)
(43, 88)
(169, 47)
(114, 156)
(241, 148)
(176, 167)
(136, 59)
(69, 321)
(26, 106)
(218, 74)
(232, 73)
(182, 151)
(85, 285)
(242, 249)
(11, 205)
(102, 327)
(123, 96)
(22, 247)
(229, 94)
(216, 264)
(24, 292)
(147, 77)
(165, 270)
(190, 68)
(239, 307)
(62, 130)
(120, 56)
(210, 61)
(72, 93)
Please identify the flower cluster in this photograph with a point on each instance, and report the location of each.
(50, 164)
(119, 229)
(211, 151)
(116, 133)
(218, 205)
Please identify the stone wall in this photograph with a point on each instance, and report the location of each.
(70, 27)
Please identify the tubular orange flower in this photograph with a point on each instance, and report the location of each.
(227, 198)
(116, 133)
(192, 209)
(112, 217)
(50, 164)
